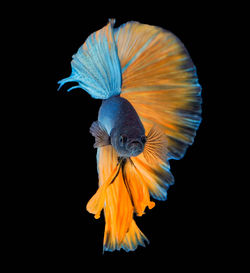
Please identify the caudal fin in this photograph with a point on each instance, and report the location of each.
(133, 238)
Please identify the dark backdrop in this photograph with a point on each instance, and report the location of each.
(181, 229)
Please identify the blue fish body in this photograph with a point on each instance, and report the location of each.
(118, 112)
(119, 118)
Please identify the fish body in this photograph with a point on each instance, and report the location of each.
(121, 121)
(150, 112)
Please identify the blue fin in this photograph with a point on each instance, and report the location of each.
(96, 66)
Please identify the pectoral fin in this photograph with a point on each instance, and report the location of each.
(99, 132)
(156, 145)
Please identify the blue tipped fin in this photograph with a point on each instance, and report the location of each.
(96, 66)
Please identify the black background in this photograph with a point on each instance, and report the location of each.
(182, 229)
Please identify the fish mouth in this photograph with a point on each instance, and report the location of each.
(135, 148)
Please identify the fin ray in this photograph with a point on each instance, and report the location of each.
(156, 145)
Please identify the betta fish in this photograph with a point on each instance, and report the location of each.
(150, 112)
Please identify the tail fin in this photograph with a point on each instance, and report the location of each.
(133, 238)
(96, 66)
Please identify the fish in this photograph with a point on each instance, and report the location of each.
(150, 112)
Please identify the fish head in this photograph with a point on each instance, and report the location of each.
(128, 143)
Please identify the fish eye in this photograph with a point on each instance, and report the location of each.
(123, 139)
(143, 139)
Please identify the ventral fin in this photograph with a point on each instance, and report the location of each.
(99, 132)
(156, 145)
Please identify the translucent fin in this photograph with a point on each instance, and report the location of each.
(99, 132)
(155, 176)
(133, 238)
(156, 145)
(96, 67)
(160, 81)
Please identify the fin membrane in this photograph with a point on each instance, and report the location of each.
(156, 145)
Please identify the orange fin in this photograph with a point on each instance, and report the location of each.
(138, 191)
(155, 176)
(133, 238)
(96, 203)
